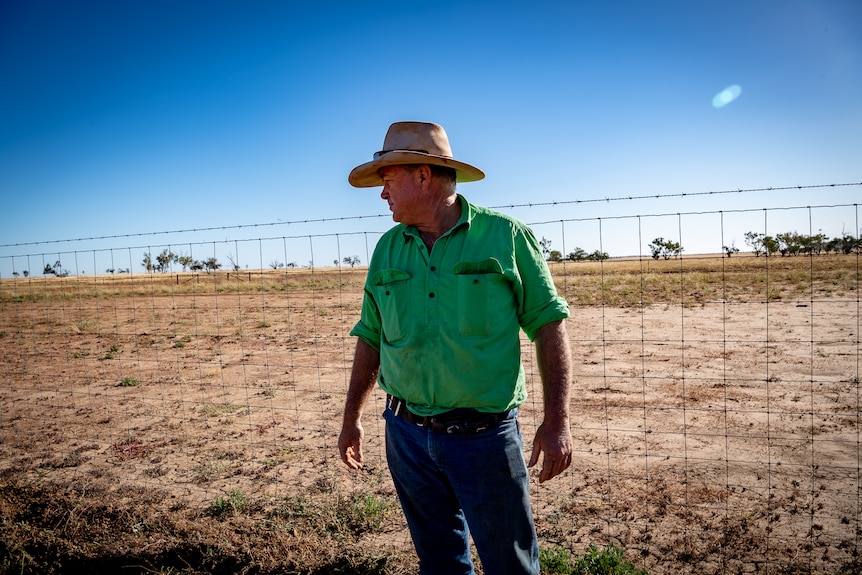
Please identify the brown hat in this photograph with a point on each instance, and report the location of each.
(412, 143)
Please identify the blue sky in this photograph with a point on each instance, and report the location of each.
(133, 117)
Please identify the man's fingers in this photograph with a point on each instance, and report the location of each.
(534, 457)
(553, 466)
(353, 458)
(550, 469)
(350, 447)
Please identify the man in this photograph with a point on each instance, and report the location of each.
(448, 290)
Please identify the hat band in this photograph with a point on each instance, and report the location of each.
(383, 152)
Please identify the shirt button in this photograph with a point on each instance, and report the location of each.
(431, 294)
(433, 268)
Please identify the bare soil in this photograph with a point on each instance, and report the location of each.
(711, 436)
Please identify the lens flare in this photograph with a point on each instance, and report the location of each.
(726, 96)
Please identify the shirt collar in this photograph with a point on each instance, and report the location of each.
(467, 213)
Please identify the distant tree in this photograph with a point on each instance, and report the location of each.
(26, 273)
(578, 255)
(761, 244)
(148, 262)
(754, 240)
(789, 243)
(731, 249)
(55, 270)
(351, 260)
(275, 264)
(770, 245)
(291, 264)
(212, 264)
(555, 256)
(233, 264)
(598, 256)
(666, 249)
(110, 270)
(846, 244)
(184, 260)
(14, 274)
(815, 244)
(337, 263)
(164, 260)
(196, 266)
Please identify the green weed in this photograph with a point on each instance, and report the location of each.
(607, 561)
(234, 503)
(362, 513)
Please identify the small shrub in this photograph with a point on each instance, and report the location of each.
(362, 513)
(555, 560)
(608, 561)
(129, 382)
(235, 502)
(84, 326)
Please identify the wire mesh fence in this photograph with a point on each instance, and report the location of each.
(715, 405)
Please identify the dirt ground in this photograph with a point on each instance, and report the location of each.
(710, 438)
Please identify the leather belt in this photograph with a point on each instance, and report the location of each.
(456, 422)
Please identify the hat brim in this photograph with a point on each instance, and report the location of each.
(367, 176)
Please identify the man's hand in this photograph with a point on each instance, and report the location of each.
(366, 363)
(350, 445)
(553, 437)
(556, 443)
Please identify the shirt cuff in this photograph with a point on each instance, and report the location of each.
(367, 335)
(536, 319)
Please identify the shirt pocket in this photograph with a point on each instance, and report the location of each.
(392, 292)
(481, 292)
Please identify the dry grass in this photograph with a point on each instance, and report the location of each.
(163, 284)
(705, 279)
(83, 509)
(47, 528)
(623, 282)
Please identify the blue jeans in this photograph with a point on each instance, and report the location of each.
(447, 482)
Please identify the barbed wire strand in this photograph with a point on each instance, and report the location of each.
(362, 217)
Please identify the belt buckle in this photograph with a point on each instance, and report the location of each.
(451, 429)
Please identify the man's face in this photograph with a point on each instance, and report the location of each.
(402, 189)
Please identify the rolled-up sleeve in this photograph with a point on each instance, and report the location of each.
(368, 327)
(539, 304)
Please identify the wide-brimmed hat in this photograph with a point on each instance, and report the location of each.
(412, 143)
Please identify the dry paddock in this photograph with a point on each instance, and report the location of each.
(717, 434)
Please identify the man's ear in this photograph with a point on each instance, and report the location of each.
(424, 174)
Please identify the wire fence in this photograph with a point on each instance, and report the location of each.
(715, 406)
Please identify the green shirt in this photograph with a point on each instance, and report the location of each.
(447, 323)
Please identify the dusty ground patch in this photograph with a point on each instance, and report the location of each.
(712, 435)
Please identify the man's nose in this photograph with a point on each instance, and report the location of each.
(384, 194)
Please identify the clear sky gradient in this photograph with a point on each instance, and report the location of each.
(134, 117)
